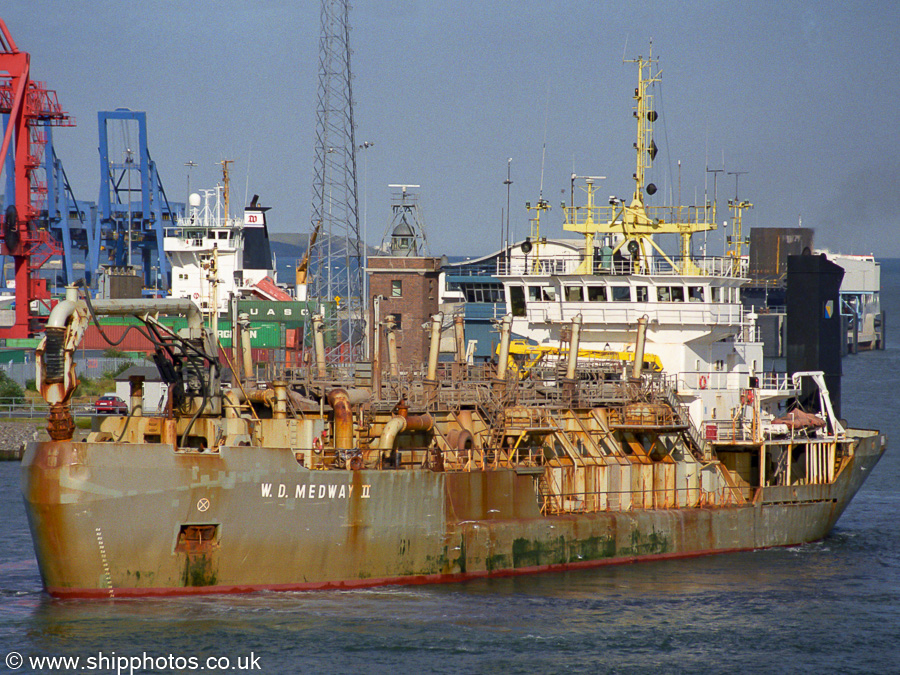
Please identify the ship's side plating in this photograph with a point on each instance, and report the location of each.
(116, 520)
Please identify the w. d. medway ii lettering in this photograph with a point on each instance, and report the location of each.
(312, 492)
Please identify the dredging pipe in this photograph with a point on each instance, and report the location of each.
(339, 401)
(399, 424)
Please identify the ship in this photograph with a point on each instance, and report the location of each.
(216, 257)
(565, 453)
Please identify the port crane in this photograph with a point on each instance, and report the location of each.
(28, 108)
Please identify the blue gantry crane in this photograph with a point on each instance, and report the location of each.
(132, 210)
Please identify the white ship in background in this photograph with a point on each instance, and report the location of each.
(861, 300)
(215, 256)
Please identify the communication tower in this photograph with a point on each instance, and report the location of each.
(335, 256)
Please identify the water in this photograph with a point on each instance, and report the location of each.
(832, 606)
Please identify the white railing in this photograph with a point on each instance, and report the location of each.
(682, 315)
(781, 382)
(719, 266)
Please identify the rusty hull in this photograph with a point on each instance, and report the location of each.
(114, 520)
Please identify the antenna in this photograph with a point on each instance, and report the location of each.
(544, 147)
(736, 174)
(403, 187)
(247, 183)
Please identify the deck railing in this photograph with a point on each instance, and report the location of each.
(719, 266)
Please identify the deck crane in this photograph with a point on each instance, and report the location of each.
(28, 107)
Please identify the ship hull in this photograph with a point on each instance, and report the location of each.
(113, 520)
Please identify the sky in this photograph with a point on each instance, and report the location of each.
(801, 96)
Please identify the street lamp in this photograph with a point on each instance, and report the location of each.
(365, 146)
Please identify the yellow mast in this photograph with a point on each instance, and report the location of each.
(636, 223)
(737, 231)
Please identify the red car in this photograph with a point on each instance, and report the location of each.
(110, 405)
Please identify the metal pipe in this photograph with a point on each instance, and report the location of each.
(246, 353)
(264, 396)
(231, 405)
(503, 358)
(395, 426)
(319, 341)
(343, 419)
(279, 412)
(573, 347)
(435, 348)
(399, 424)
(168, 306)
(60, 314)
(461, 439)
(392, 348)
(423, 422)
(235, 345)
(459, 323)
(136, 383)
(638, 363)
(376, 348)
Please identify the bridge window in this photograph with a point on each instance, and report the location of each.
(670, 293)
(596, 293)
(542, 293)
(640, 294)
(483, 292)
(621, 293)
(574, 293)
(695, 293)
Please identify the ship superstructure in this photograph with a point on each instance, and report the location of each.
(213, 255)
(696, 324)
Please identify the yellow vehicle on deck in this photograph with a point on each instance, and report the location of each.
(523, 356)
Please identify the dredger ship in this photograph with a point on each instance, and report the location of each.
(463, 472)
(637, 426)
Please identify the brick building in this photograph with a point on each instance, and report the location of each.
(409, 291)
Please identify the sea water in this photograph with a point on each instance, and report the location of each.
(831, 606)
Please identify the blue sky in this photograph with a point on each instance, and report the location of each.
(802, 96)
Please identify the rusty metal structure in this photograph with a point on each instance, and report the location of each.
(329, 477)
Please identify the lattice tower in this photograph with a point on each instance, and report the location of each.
(336, 263)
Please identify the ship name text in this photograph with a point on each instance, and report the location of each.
(312, 491)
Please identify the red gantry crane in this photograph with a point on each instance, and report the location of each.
(30, 107)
